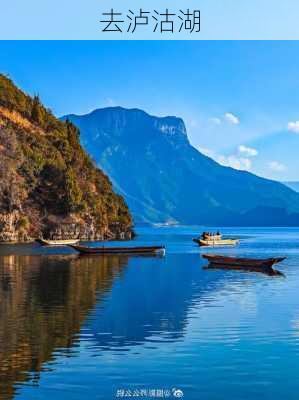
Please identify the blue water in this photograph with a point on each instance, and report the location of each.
(76, 327)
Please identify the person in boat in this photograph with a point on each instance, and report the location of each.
(211, 235)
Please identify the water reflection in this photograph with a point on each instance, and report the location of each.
(83, 326)
(43, 302)
(152, 304)
(269, 272)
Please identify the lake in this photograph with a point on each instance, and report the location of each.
(95, 327)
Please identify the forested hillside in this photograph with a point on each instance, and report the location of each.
(49, 186)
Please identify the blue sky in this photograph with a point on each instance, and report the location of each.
(239, 99)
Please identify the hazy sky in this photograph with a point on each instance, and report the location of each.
(239, 99)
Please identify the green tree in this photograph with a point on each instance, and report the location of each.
(73, 192)
(37, 113)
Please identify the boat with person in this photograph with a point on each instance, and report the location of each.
(214, 239)
(253, 264)
(66, 242)
(120, 250)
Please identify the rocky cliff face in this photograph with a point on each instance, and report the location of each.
(49, 187)
(164, 178)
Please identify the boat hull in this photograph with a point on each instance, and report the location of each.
(120, 250)
(216, 243)
(67, 242)
(234, 262)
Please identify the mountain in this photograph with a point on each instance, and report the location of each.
(163, 178)
(49, 186)
(293, 185)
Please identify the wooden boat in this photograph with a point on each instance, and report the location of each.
(239, 263)
(120, 250)
(66, 242)
(216, 242)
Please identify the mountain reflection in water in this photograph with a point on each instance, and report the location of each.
(43, 302)
(76, 327)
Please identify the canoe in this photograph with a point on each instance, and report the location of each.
(120, 250)
(214, 243)
(231, 262)
(66, 242)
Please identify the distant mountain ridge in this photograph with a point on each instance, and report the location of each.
(292, 185)
(163, 177)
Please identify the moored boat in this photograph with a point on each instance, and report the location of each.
(66, 242)
(216, 242)
(120, 250)
(236, 262)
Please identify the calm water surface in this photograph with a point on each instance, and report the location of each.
(74, 327)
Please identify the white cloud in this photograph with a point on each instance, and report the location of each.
(247, 151)
(231, 118)
(277, 166)
(207, 152)
(235, 161)
(228, 117)
(241, 163)
(293, 126)
(215, 120)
